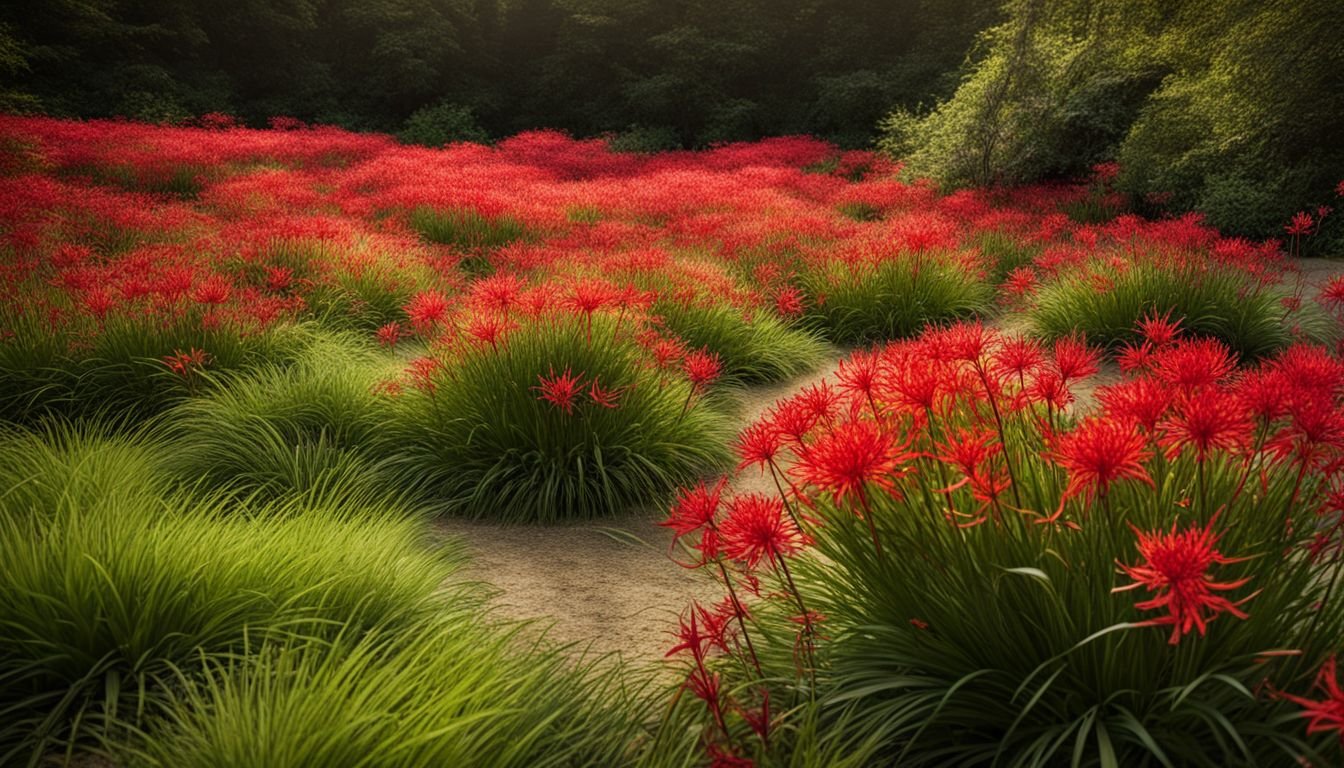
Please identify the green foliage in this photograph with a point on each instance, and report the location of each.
(645, 140)
(758, 350)
(452, 691)
(442, 124)
(1220, 303)
(115, 588)
(897, 297)
(310, 427)
(466, 228)
(1231, 113)
(122, 372)
(481, 442)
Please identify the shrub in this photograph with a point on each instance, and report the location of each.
(855, 303)
(310, 426)
(1223, 303)
(513, 430)
(442, 124)
(1154, 583)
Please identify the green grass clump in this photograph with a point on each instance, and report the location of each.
(307, 427)
(451, 692)
(756, 351)
(466, 228)
(1209, 301)
(118, 369)
(114, 589)
(895, 298)
(483, 443)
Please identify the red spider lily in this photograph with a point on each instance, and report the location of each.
(1160, 331)
(792, 419)
(215, 289)
(695, 508)
(702, 368)
(1100, 452)
(1134, 357)
(560, 391)
(1176, 566)
(184, 364)
(699, 631)
(755, 527)
(1206, 420)
(1019, 356)
(423, 371)
(789, 302)
(1074, 359)
(821, 399)
(1193, 364)
(1261, 392)
(1325, 714)
(489, 329)
(426, 309)
(388, 335)
(1141, 401)
(759, 443)
(1020, 282)
(1050, 388)
(858, 376)
(279, 278)
(606, 398)
(848, 458)
(1301, 224)
(1333, 292)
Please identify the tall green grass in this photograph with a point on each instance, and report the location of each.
(161, 628)
(483, 443)
(756, 351)
(120, 371)
(451, 692)
(312, 426)
(1216, 302)
(896, 298)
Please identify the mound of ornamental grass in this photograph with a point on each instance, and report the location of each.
(560, 419)
(1212, 301)
(451, 691)
(759, 349)
(163, 628)
(863, 302)
(310, 426)
(126, 368)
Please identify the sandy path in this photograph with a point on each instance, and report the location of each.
(608, 586)
(599, 587)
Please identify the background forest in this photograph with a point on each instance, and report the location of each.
(1232, 108)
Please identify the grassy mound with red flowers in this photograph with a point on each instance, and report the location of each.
(971, 573)
(556, 418)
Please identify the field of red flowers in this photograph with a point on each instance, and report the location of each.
(241, 369)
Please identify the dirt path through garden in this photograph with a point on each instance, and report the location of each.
(611, 586)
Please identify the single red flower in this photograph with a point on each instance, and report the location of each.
(1301, 224)
(1325, 714)
(426, 309)
(1074, 359)
(756, 527)
(1206, 420)
(702, 368)
(1193, 363)
(560, 391)
(423, 371)
(789, 302)
(1160, 331)
(607, 398)
(215, 289)
(695, 508)
(388, 335)
(1100, 452)
(848, 458)
(1142, 401)
(759, 443)
(1176, 566)
(1019, 355)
